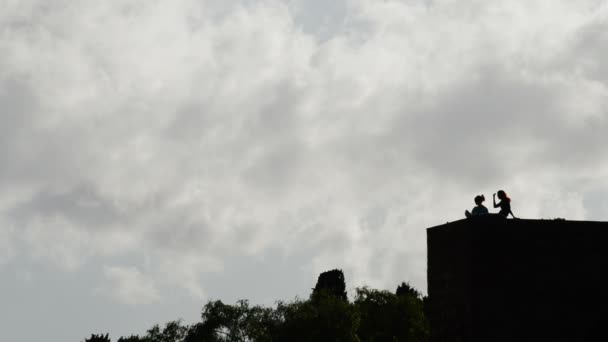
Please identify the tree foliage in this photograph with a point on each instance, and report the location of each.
(98, 338)
(173, 331)
(327, 318)
(331, 282)
(404, 289)
(132, 338)
(234, 323)
(389, 317)
(373, 316)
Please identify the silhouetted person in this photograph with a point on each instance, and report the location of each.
(480, 209)
(504, 204)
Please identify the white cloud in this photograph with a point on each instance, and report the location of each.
(195, 136)
(129, 286)
(7, 242)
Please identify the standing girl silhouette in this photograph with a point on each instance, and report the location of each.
(504, 204)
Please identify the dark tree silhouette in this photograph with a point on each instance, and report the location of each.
(327, 316)
(328, 319)
(199, 333)
(132, 338)
(390, 317)
(173, 331)
(404, 289)
(98, 338)
(332, 283)
(234, 323)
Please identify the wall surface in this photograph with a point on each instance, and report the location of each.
(493, 279)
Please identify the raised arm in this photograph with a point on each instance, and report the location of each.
(494, 200)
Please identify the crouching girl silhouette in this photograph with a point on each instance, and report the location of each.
(480, 209)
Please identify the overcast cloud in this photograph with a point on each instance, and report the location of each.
(157, 154)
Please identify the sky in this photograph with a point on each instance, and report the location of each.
(156, 154)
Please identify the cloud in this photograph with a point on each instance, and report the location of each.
(7, 242)
(194, 137)
(130, 286)
(80, 204)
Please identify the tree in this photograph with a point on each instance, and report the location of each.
(404, 289)
(234, 323)
(132, 338)
(389, 317)
(327, 318)
(172, 332)
(332, 283)
(98, 338)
